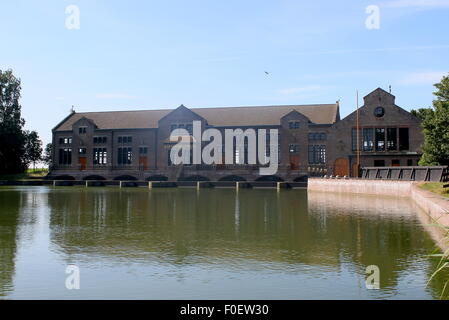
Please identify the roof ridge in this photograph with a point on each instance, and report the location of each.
(109, 111)
(202, 108)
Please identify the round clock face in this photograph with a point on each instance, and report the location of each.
(379, 112)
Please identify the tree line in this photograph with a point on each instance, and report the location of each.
(18, 147)
(435, 124)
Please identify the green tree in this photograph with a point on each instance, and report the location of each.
(48, 154)
(33, 148)
(435, 123)
(12, 137)
(442, 93)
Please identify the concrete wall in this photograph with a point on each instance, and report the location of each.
(437, 207)
(375, 187)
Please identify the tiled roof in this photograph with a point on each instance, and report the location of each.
(224, 116)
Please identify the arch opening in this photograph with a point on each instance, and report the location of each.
(64, 177)
(125, 178)
(157, 178)
(194, 178)
(270, 178)
(232, 178)
(94, 177)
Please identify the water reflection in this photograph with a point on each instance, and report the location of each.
(273, 236)
(8, 234)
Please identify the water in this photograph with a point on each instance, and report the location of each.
(210, 244)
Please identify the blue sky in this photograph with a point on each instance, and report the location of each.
(159, 54)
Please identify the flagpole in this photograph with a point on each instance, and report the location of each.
(358, 134)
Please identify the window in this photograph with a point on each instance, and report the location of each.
(317, 154)
(354, 139)
(186, 126)
(392, 139)
(82, 130)
(143, 150)
(379, 163)
(66, 140)
(293, 125)
(125, 156)
(380, 139)
(102, 140)
(368, 139)
(168, 158)
(65, 156)
(269, 144)
(403, 139)
(317, 136)
(124, 139)
(409, 162)
(82, 151)
(100, 156)
(293, 148)
(237, 156)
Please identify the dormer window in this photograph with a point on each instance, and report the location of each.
(82, 130)
(293, 125)
(185, 126)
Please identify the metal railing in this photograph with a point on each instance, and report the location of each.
(418, 173)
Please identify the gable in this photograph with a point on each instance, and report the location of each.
(295, 115)
(181, 114)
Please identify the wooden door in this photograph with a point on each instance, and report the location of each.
(143, 162)
(294, 162)
(83, 162)
(341, 167)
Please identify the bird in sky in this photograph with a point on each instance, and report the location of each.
(266, 72)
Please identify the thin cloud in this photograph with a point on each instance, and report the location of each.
(300, 89)
(390, 49)
(417, 3)
(423, 77)
(114, 96)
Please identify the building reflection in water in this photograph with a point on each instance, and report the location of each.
(248, 229)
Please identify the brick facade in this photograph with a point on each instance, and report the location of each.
(312, 141)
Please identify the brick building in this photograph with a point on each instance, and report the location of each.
(313, 140)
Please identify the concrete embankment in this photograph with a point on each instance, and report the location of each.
(436, 206)
(160, 184)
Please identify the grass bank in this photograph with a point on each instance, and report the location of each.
(436, 187)
(29, 174)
